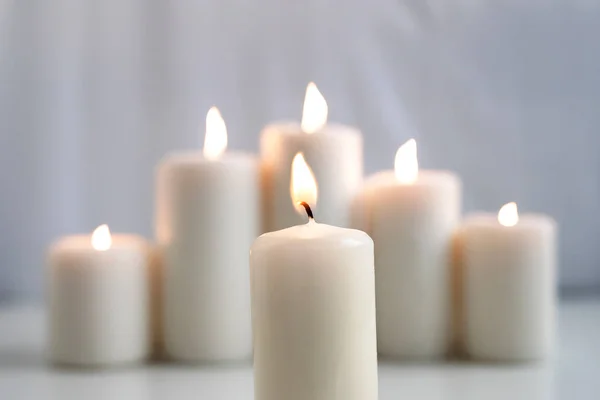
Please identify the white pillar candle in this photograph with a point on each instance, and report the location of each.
(207, 218)
(99, 299)
(156, 300)
(510, 285)
(333, 151)
(313, 311)
(411, 216)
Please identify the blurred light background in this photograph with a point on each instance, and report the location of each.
(93, 93)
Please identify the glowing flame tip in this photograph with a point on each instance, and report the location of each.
(314, 112)
(303, 185)
(101, 238)
(508, 214)
(406, 164)
(215, 140)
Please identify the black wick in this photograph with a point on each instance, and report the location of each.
(308, 210)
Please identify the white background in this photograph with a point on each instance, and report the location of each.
(93, 93)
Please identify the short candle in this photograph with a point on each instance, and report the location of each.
(411, 215)
(509, 297)
(99, 299)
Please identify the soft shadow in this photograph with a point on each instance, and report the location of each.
(166, 362)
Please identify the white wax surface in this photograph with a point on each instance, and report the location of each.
(412, 227)
(156, 300)
(313, 309)
(99, 301)
(207, 219)
(335, 155)
(509, 287)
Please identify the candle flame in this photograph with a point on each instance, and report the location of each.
(508, 214)
(101, 238)
(303, 185)
(406, 165)
(215, 141)
(314, 112)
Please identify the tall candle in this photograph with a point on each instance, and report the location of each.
(99, 299)
(411, 215)
(207, 218)
(313, 309)
(510, 285)
(334, 152)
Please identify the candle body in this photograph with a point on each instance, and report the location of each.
(207, 219)
(335, 157)
(412, 227)
(313, 314)
(156, 300)
(510, 287)
(99, 302)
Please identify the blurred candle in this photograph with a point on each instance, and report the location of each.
(333, 151)
(411, 216)
(207, 217)
(99, 299)
(510, 285)
(313, 308)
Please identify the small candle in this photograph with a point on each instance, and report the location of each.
(334, 152)
(313, 308)
(207, 217)
(99, 299)
(509, 285)
(411, 215)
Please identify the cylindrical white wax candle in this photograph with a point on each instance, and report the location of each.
(156, 301)
(411, 216)
(333, 151)
(99, 299)
(313, 314)
(510, 285)
(207, 219)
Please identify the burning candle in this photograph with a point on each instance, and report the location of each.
(99, 299)
(411, 216)
(509, 271)
(207, 217)
(313, 307)
(334, 152)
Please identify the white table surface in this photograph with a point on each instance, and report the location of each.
(574, 373)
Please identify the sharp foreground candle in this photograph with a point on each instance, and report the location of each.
(313, 311)
(99, 299)
(333, 151)
(510, 285)
(411, 217)
(207, 218)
